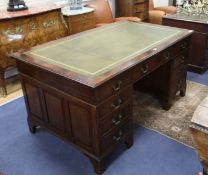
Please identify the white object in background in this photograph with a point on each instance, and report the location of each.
(159, 3)
(67, 12)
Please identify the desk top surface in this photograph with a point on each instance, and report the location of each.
(99, 51)
(33, 8)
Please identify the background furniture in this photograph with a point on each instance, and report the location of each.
(138, 8)
(79, 20)
(24, 29)
(92, 95)
(156, 13)
(199, 132)
(198, 56)
(103, 13)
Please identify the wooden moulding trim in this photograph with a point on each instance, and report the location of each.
(96, 81)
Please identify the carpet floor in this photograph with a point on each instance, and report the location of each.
(175, 122)
(22, 153)
(199, 78)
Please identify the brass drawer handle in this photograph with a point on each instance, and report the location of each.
(117, 104)
(183, 45)
(117, 120)
(117, 86)
(117, 137)
(145, 68)
(167, 55)
(182, 59)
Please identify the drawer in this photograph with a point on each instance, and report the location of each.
(178, 79)
(142, 15)
(13, 31)
(180, 46)
(88, 24)
(80, 26)
(148, 66)
(180, 60)
(140, 7)
(116, 102)
(115, 119)
(81, 17)
(139, 1)
(116, 136)
(113, 86)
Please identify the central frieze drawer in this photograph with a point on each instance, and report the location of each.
(148, 66)
(113, 86)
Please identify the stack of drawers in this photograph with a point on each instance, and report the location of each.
(138, 8)
(179, 69)
(141, 9)
(115, 112)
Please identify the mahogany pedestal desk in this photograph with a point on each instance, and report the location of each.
(80, 87)
(25, 29)
(198, 56)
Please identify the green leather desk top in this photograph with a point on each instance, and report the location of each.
(98, 51)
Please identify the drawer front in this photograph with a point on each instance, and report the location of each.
(116, 136)
(139, 1)
(140, 7)
(115, 120)
(81, 25)
(180, 60)
(81, 17)
(150, 65)
(113, 86)
(88, 24)
(179, 47)
(115, 103)
(178, 78)
(141, 15)
(76, 27)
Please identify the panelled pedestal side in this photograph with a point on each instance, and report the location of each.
(26, 31)
(199, 133)
(96, 119)
(198, 56)
(94, 128)
(138, 8)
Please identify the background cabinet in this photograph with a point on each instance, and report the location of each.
(138, 8)
(25, 29)
(79, 21)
